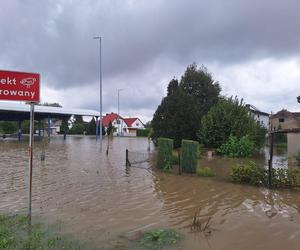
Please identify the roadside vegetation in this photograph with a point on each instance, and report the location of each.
(14, 236)
(254, 174)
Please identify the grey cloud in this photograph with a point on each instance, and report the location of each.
(55, 39)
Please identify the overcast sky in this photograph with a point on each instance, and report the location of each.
(252, 48)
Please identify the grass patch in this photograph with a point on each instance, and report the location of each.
(158, 238)
(14, 236)
(205, 172)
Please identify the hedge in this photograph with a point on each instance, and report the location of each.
(189, 156)
(164, 157)
(143, 132)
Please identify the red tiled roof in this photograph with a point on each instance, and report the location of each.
(129, 121)
(109, 118)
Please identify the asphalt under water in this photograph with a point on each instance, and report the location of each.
(100, 201)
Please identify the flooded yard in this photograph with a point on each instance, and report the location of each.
(96, 199)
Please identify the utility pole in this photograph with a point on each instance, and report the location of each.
(100, 71)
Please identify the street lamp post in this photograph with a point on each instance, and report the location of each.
(100, 71)
(119, 112)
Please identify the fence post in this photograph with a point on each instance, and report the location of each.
(271, 161)
(127, 161)
(179, 165)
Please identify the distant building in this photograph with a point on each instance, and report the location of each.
(123, 126)
(285, 120)
(289, 122)
(260, 117)
(133, 124)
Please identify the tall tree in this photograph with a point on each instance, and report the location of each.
(199, 85)
(91, 127)
(180, 112)
(174, 117)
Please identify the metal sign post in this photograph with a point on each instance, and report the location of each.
(30, 158)
(22, 86)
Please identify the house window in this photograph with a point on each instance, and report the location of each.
(281, 119)
(137, 124)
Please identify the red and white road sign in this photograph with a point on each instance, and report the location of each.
(19, 86)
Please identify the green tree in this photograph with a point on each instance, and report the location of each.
(7, 127)
(110, 129)
(103, 130)
(174, 117)
(77, 129)
(91, 127)
(199, 85)
(229, 117)
(64, 125)
(78, 126)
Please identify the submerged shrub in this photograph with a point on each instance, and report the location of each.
(205, 172)
(254, 174)
(235, 147)
(250, 173)
(284, 178)
(189, 156)
(165, 153)
(158, 238)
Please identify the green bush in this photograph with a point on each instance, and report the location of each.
(205, 172)
(14, 235)
(250, 174)
(165, 153)
(257, 175)
(229, 117)
(235, 147)
(189, 156)
(142, 132)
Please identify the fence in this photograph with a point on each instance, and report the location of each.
(136, 157)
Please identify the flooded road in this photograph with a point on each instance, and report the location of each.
(96, 199)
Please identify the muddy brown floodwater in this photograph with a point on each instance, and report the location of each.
(97, 200)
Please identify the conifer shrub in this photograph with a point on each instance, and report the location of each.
(165, 153)
(189, 156)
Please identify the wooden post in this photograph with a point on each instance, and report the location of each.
(271, 160)
(65, 128)
(127, 159)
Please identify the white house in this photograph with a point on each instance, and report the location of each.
(260, 117)
(123, 126)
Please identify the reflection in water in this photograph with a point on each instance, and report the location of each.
(99, 200)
